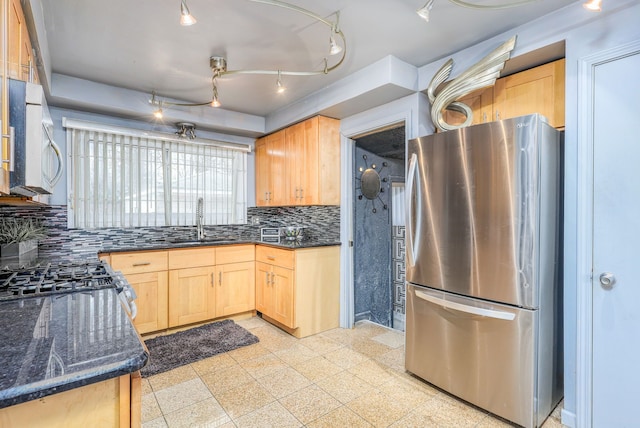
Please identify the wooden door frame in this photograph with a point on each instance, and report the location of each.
(584, 223)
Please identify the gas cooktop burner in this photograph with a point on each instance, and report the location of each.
(50, 279)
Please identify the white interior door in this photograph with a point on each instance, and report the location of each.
(616, 243)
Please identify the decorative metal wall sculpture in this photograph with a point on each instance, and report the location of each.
(483, 73)
(371, 184)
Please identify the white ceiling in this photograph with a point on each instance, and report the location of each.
(140, 45)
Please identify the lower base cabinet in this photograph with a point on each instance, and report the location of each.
(236, 291)
(299, 290)
(191, 295)
(275, 293)
(152, 290)
(110, 403)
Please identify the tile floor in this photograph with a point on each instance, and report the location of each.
(339, 378)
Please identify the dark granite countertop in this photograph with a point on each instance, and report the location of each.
(60, 342)
(56, 343)
(173, 244)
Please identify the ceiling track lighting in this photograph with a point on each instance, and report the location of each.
(280, 88)
(186, 18)
(593, 5)
(424, 11)
(218, 64)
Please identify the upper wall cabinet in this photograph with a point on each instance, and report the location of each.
(16, 63)
(300, 165)
(21, 65)
(271, 178)
(537, 90)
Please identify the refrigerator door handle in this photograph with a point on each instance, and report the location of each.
(489, 313)
(413, 166)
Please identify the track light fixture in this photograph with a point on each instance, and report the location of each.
(593, 5)
(218, 64)
(280, 87)
(186, 18)
(424, 11)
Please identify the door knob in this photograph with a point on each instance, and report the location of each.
(607, 280)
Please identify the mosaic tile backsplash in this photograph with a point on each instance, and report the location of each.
(320, 223)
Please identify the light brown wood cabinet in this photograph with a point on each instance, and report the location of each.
(275, 293)
(191, 295)
(146, 271)
(480, 102)
(211, 282)
(271, 177)
(114, 403)
(236, 288)
(188, 285)
(17, 62)
(300, 165)
(536, 90)
(19, 52)
(299, 290)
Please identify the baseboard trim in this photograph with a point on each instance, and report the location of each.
(568, 418)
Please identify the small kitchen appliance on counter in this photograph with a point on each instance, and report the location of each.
(292, 233)
(270, 235)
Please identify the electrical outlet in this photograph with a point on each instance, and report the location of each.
(255, 220)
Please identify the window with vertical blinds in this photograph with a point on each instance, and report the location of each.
(127, 178)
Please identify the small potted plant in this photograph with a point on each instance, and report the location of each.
(19, 236)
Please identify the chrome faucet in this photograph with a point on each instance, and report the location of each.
(199, 219)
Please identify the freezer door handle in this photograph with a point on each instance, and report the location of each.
(490, 313)
(413, 165)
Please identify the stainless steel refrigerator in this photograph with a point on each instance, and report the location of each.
(484, 265)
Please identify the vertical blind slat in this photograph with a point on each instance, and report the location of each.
(121, 180)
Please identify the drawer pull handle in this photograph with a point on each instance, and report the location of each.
(447, 304)
(271, 258)
(141, 264)
(220, 278)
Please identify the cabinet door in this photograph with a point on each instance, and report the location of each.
(151, 289)
(15, 22)
(309, 169)
(191, 295)
(282, 287)
(276, 150)
(4, 108)
(537, 90)
(264, 296)
(294, 137)
(327, 155)
(236, 288)
(480, 102)
(263, 173)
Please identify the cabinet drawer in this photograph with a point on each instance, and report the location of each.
(275, 256)
(192, 257)
(235, 254)
(139, 261)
